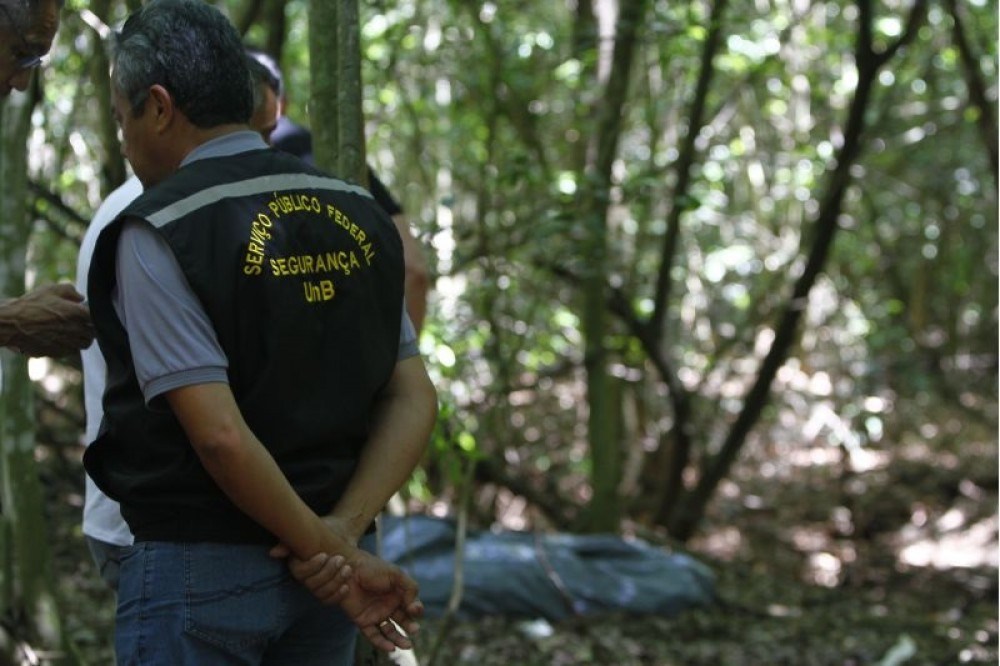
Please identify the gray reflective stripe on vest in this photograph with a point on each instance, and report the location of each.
(251, 186)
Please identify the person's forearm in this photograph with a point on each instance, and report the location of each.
(8, 323)
(246, 472)
(251, 479)
(417, 281)
(400, 433)
(48, 321)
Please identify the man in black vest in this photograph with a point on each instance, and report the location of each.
(260, 391)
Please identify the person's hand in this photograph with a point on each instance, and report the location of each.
(48, 321)
(325, 575)
(376, 595)
(382, 601)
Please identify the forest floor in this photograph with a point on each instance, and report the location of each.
(892, 562)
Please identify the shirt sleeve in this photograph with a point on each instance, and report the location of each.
(172, 339)
(407, 338)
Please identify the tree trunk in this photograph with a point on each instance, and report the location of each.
(113, 164)
(28, 606)
(324, 95)
(677, 457)
(274, 19)
(604, 511)
(335, 72)
(246, 18)
(351, 127)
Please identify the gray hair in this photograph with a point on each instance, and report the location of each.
(194, 52)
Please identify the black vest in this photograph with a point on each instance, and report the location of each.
(302, 277)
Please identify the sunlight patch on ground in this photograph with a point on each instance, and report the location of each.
(723, 543)
(923, 451)
(824, 569)
(862, 460)
(809, 540)
(825, 558)
(956, 545)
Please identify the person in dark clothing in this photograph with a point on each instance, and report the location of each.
(259, 400)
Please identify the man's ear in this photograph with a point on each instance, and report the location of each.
(161, 104)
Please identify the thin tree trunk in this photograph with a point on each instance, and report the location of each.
(324, 96)
(28, 605)
(113, 164)
(605, 450)
(351, 128)
(679, 442)
(251, 12)
(335, 71)
(277, 26)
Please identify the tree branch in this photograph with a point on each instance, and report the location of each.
(977, 88)
(696, 120)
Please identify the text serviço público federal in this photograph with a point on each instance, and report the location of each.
(260, 228)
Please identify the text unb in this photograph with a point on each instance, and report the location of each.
(316, 292)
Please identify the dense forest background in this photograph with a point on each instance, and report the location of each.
(720, 275)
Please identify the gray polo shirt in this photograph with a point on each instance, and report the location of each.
(171, 337)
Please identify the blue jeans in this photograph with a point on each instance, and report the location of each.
(194, 604)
